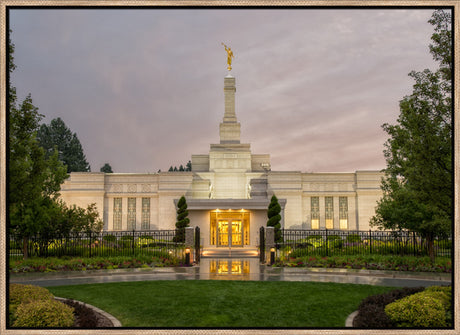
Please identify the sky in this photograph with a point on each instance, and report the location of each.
(143, 88)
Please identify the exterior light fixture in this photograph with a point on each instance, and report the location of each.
(187, 256)
(272, 256)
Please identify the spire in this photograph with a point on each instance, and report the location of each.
(230, 127)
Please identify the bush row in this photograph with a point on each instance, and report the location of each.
(52, 264)
(372, 262)
(408, 307)
(34, 307)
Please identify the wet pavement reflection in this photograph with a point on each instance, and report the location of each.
(236, 269)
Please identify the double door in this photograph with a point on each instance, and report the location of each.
(229, 233)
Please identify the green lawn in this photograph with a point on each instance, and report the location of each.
(224, 303)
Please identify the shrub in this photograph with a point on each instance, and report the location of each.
(44, 313)
(418, 310)
(371, 311)
(353, 238)
(21, 294)
(109, 238)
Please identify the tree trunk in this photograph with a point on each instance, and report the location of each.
(25, 243)
(430, 245)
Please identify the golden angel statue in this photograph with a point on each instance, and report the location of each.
(229, 57)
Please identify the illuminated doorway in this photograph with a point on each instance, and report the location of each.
(229, 228)
(229, 233)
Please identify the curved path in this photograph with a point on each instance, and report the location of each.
(257, 272)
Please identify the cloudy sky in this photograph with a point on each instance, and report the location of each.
(143, 88)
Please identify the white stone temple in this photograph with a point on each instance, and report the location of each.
(228, 192)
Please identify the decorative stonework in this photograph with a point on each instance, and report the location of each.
(132, 188)
(146, 188)
(118, 188)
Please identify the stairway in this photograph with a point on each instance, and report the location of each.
(229, 253)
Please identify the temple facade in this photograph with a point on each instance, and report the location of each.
(228, 192)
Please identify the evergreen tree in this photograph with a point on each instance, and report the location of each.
(171, 169)
(188, 167)
(58, 135)
(274, 218)
(34, 179)
(106, 168)
(181, 168)
(417, 188)
(182, 220)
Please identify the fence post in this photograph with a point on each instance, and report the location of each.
(370, 241)
(197, 244)
(327, 248)
(90, 254)
(262, 244)
(414, 243)
(132, 243)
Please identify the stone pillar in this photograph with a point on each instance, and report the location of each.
(230, 128)
(189, 237)
(190, 241)
(269, 242)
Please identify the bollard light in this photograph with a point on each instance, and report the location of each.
(187, 256)
(272, 256)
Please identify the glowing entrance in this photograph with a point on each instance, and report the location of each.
(229, 228)
(229, 233)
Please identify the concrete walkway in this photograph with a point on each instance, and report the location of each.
(236, 269)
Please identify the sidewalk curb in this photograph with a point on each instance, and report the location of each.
(114, 320)
(350, 318)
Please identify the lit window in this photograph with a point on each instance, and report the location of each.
(329, 205)
(117, 213)
(343, 212)
(145, 213)
(315, 213)
(131, 214)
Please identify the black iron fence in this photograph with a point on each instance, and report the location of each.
(337, 242)
(114, 243)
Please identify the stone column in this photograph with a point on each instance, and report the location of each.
(190, 241)
(269, 242)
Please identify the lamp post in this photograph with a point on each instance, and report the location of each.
(272, 256)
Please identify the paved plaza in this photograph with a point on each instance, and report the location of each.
(236, 269)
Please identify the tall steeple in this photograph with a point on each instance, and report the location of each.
(230, 128)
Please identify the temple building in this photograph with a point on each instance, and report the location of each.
(228, 192)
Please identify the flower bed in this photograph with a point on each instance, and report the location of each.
(53, 264)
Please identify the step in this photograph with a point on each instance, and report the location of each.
(229, 253)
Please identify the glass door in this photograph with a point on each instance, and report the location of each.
(222, 233)
(237, 234)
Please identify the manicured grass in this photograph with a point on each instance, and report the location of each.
(220, 304)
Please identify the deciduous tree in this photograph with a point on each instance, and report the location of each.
(417, 187)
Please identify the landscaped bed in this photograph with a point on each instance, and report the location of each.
(372, 262)
(53, 264)
(369, 262)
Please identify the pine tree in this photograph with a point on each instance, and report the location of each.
(106, 168)
(58, 135)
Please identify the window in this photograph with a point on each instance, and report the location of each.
(131, 214)
(116, 213)
(145, 214)
(329, 205)
(343, 212)
(314, 212)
